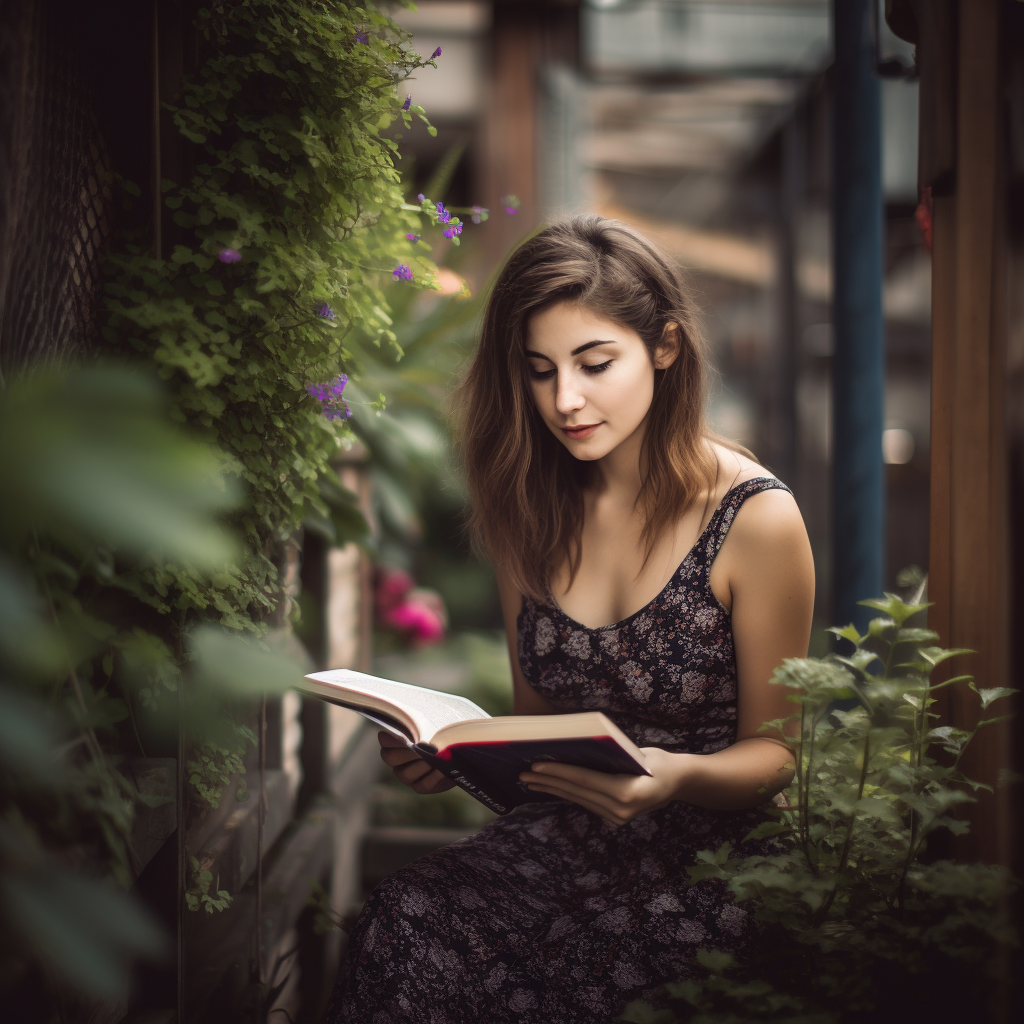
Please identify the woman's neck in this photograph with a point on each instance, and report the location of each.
(617, 478)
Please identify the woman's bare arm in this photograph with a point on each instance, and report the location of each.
(770, 572)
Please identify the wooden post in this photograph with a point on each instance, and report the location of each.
(524, 35)
(960, 62)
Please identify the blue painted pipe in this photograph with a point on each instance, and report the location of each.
(858, 366)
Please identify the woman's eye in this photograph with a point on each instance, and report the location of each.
(540, 374)
(597, 367)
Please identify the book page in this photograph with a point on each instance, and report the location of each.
(429, 710)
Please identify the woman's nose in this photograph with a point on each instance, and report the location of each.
(568, 398)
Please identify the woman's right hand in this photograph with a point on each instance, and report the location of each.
(407, 766)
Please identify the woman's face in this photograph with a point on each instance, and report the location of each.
(592, 380)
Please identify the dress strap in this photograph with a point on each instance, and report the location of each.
(731, 503)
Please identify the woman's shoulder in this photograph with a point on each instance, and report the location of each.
(735, 468)
(770, 516)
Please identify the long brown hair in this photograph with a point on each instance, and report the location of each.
(526, 489)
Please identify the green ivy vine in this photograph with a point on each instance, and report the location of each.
(288, 236)
(118, 577)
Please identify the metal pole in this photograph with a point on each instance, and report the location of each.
(858, 377)
(786, 457)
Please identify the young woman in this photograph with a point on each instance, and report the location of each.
(647, 570)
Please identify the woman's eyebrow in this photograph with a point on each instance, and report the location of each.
(590, 344)
(574, 352)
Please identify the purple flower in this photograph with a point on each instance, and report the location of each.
(333, 406)
(442, 214)
(362, 37)
(412, 238)
(408, 101)
(455, 229)
(325, 312)
(511, 211)
(402, 272)
(479, 214)
(421, 197)
(436, 53)
(511, 204)
(229, 256)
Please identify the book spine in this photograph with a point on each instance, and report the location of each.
(448, 768)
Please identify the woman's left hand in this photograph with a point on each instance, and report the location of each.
(619, 798)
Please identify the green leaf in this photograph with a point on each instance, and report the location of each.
(28, 641)
(236, 665)
(88, 933)
(846, 633)
(936, 655)
(995, 721)
(992, 694)
(767, 829)
(859, 660)
(894, 607)
(715, 960)
(93, 457)
(880, 626)
(28, 739)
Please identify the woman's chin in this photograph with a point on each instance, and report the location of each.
(584, 452)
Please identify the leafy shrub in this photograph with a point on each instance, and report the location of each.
(859, 924)
(147, 516)
(100, 484)
(287, 238)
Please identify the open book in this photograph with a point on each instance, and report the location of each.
(483, 755)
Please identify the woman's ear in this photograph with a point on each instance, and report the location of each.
(668, 348)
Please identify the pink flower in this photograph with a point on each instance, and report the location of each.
(416, 612)
(392, 586)
(418, 618)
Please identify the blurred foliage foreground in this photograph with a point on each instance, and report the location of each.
(101, 491)
(858, 923)
(117, 573)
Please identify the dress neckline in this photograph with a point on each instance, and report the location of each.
(697, 544)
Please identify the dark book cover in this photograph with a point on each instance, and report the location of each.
(490, 770)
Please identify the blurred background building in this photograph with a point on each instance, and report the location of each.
(706, 125)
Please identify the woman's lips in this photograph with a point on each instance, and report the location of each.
(579, 433)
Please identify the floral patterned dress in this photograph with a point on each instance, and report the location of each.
(551, 914)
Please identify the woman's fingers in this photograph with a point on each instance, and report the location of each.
(584, 800)
(433, 782)
(407, 766)
(412, 771)
(585, 777)
(604, 788)
(395, 756)
(593, 799)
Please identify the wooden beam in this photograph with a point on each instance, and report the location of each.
(525, 34)
(969, 541)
